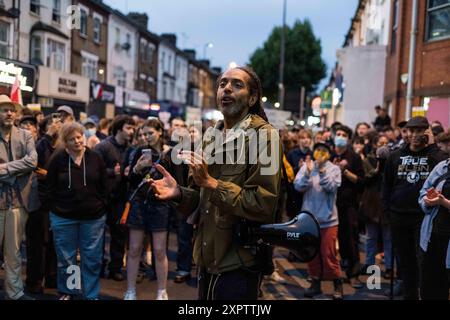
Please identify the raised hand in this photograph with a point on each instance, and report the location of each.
(165, 188)
(199, 169)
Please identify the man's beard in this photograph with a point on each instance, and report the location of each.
(233, 112)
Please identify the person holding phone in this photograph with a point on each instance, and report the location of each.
(405, 172)
(147, 214)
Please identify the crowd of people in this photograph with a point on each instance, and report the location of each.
(63, 183)
(386, 185)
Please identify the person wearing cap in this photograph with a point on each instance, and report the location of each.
(29, 123)
(66, 114)
(405, 172)
(90, 133)
(319, 181)
(18, 158)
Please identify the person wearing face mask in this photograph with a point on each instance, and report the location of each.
(352, 173)
(112, 151)
(319, 181)
(405, 173)
(90, 133)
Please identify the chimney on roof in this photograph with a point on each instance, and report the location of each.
(140, 19)
(170, 38)
(190, 53)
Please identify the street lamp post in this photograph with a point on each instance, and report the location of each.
(282, 56)
(206, 46)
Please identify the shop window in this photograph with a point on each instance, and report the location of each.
(438, 19)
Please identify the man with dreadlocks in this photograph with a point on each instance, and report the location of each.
(223, 194)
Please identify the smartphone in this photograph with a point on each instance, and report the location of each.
(56, 117)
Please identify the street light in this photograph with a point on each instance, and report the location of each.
(264, 99)
(232, 65)
(206, 46)
(276, 105)
(282, 58)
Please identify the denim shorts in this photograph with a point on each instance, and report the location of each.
(151, 216)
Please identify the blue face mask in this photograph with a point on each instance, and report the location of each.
(340, 142)
(90, 132)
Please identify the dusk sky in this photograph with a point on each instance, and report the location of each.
(237, 27)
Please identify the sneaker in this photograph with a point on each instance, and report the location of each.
(65, 297)
(23, 297)
(162, 295)
(313, 290)
(117, 276)
(130, 295)
(398, 289)
(338, 293)
(182, 276)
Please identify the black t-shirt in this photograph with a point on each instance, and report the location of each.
(441, 224)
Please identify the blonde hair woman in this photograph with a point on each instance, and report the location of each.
(76, 181)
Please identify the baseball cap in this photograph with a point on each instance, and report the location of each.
(418, 122)
(28, 118)
(66, 109)
(88, 121)
(323, 145)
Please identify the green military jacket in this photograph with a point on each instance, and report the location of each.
(248, 188)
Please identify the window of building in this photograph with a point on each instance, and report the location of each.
(56, 12)
(149, 54)
(394, 27)
(143, 52)
(36, 49)
(35, 6)
(56, 53)
(121, 76)
(169, 64)
(438, 19)
(4, 39)
(89, 68)
(97, 30)
(83, 22)
(117, 37)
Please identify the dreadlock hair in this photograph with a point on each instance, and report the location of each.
(255, 89)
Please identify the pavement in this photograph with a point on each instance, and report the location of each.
(294, 274)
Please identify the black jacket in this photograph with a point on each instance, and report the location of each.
(77, 192)
(348, 191)
(404, 175)
(44, 149)
(113, 153)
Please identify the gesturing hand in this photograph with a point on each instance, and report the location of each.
(199, 169)
(309, 164)
(165, 188)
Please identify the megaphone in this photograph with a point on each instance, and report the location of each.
(301, 236)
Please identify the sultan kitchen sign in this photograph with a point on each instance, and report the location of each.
(61, 85)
